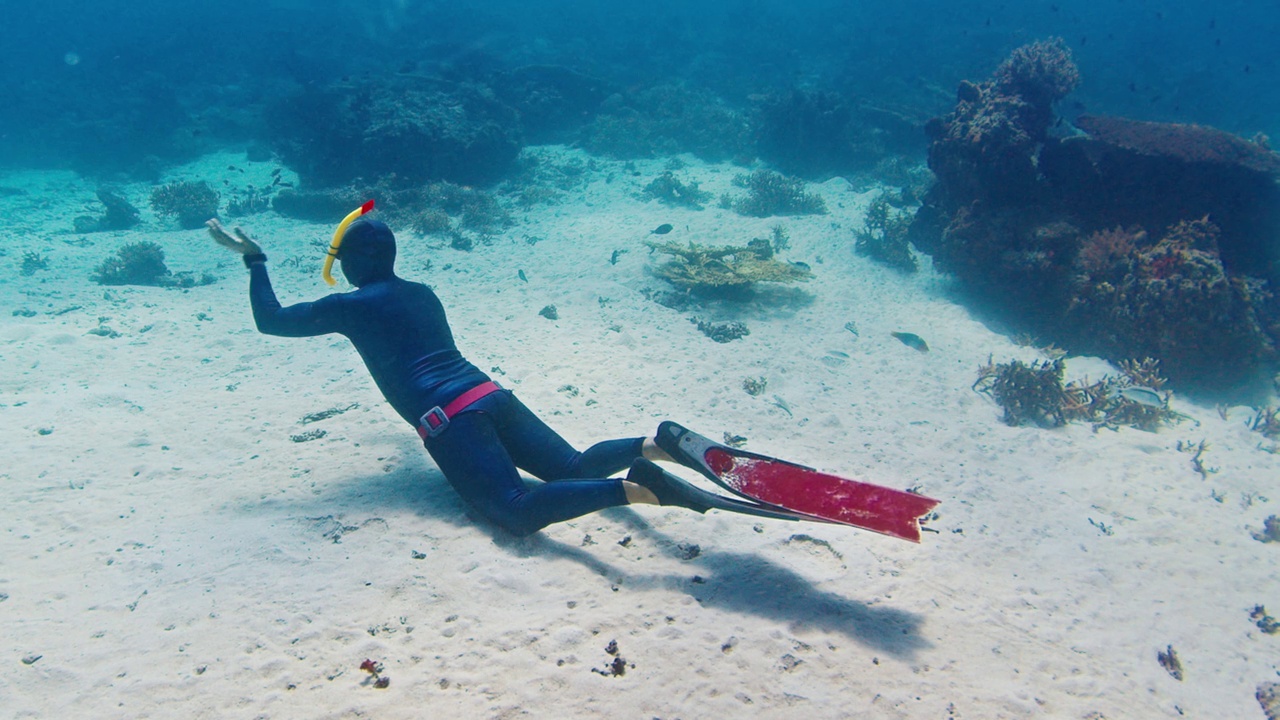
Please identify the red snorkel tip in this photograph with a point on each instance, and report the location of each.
(366, 207)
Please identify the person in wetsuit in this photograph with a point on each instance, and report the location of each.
(479, 435)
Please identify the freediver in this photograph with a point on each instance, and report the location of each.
(479, 434)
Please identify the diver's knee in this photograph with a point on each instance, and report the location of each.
(516, 523)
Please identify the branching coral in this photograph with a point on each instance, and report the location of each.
(669, 190)
(190, 201)
(1110, 254)
(140, 263)
(702, 267)
(770, 193)
(1035, 393)
(883, 236)
(1026, 393)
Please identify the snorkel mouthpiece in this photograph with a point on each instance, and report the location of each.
(336, 243)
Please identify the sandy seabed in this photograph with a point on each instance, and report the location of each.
(169, 549)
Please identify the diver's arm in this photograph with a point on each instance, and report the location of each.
(300, 320)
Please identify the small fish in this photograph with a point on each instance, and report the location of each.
(662, 229)
(911, 340)
(521, 275)
(1142, 396)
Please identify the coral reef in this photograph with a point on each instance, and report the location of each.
(669, 190)
(427, 208)
(1172, 299)
(883, 236)
(699, 267)
(553, 102)
(812, 134)
(191, 202)
(119, 214)
(667, 120)
(1129, 239)
(770, 193)
(412, 128)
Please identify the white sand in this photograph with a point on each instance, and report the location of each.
(168, 551)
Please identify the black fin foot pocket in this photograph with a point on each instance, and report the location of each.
(669, 489)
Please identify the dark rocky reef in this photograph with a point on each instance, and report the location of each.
(409, 128)
(1123, 238)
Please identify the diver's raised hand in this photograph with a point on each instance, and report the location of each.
(240, 242)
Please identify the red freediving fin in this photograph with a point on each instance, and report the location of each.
(796, 488)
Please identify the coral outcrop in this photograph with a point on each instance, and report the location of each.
(1122, 238)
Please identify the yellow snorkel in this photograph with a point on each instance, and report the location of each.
(336, 243)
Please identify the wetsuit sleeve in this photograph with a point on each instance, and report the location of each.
(301, 320)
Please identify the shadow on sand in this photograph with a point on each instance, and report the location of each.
(742, 583)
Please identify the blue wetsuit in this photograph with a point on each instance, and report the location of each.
(399, 329)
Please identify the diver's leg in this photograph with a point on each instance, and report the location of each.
(473, 459)
(540, 450)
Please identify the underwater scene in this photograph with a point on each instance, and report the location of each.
(659, 360)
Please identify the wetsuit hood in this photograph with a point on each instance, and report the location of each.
(368, 252)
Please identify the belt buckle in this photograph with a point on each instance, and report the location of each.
(434, 421)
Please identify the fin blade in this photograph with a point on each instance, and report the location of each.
(832, 498)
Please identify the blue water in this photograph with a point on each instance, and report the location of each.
(170, 548)
(92, 84)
